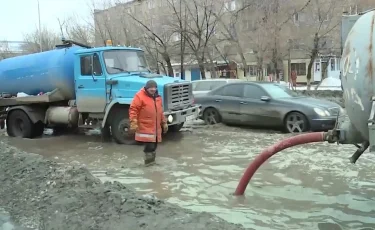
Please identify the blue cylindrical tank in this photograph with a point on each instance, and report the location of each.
(358, 72)
(39, 72)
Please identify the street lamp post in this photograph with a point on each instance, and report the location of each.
(40, 30)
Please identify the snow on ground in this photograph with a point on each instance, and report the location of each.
(329, 83)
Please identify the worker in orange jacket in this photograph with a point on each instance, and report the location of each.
(147, 120)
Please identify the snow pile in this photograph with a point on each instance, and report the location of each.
(331, 82)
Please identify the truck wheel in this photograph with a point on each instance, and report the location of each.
(19, 125)
(120, 128)
(175, 128)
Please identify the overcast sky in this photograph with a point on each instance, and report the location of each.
(18, 17)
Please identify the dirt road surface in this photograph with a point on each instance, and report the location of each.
(307, 187)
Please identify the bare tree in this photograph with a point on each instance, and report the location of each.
(103, 24)
(180, 12)
(323, 19)
(76, 31)
(200, 28)
(5, 51)
(158, 34)
(49, 40)
(259, 28)
(229, 23)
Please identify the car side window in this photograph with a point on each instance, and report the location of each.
(254, 92)
(231, 91)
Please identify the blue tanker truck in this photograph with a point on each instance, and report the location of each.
(76, 86)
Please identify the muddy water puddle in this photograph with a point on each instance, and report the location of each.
(308, 187)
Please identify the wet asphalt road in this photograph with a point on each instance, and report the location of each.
(308, 187)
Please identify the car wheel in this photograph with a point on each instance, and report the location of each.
(211, 116)
(296, 122)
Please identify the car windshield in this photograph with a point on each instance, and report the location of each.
(278, 91)
(118, 61)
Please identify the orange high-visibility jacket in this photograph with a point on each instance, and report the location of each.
(149, 114)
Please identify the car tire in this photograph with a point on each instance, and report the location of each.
(120, 125)
(19, 125)
(175, 128)
(211, 116)
(295, 122)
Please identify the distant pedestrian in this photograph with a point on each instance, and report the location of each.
(147, 120)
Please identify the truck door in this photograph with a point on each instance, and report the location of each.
(90, 85)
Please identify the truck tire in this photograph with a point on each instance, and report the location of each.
(19, 125)
(175, 128)
(120, 124)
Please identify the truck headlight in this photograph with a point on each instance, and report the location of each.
(170, 118)
(322, 112)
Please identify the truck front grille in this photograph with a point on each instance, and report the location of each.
(178, 96)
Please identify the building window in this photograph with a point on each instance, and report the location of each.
(253, 70)
(300, 68)
(230, 6)
(151, 4)
(353, 10)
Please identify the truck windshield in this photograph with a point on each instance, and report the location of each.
(118, 61)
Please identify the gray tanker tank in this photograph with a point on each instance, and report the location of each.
(358, 75)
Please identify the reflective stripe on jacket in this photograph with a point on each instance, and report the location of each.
(149, 114)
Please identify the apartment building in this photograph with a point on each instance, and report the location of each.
(272, 36)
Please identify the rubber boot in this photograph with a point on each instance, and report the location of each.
(149, 158)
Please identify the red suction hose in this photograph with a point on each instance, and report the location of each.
(270, 151)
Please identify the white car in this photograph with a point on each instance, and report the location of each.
(205, 86)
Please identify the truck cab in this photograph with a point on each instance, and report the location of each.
(106, 80)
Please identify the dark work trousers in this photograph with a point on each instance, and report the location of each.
(150, 147)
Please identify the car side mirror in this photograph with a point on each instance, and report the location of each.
(265, 98)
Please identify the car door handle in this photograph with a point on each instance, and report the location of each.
(218, 100)
(81, 87)
(243, 103)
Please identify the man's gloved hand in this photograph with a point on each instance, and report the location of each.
(165, 128)
(133, 126)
